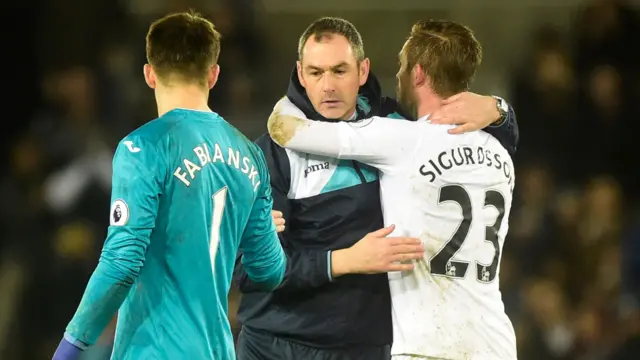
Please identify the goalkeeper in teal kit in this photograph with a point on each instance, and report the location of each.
(188, 192)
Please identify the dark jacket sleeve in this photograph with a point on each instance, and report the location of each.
(507, 132)
(305, 268)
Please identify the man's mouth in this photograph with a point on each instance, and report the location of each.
(331, 102)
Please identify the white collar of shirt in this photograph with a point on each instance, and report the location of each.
(424, 118)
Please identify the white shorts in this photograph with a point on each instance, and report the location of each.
(413, 357)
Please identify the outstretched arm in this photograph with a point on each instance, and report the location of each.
(375, 141)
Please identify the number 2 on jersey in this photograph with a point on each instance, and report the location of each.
(219, 201)
(443, 262)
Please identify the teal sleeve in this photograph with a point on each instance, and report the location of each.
(263, 257)
(138, 177)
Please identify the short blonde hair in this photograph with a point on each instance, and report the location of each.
(448, 52)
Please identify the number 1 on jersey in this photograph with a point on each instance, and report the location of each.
(219, 201)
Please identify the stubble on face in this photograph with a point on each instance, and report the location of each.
(404, 89)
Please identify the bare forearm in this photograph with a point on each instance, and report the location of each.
(340, 264)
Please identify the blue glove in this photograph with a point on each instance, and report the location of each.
(67, 351)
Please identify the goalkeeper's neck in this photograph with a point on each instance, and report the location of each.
(191, 97)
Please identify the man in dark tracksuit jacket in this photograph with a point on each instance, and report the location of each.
(328, 205)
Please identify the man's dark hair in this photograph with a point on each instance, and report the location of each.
(184, 45)
(448, 52)
(328, 26)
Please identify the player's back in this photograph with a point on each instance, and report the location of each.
(454, 193)
(178, 306)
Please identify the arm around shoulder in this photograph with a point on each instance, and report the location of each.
(506, 131)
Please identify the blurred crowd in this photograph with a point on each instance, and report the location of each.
(570, 273)
(571, 267)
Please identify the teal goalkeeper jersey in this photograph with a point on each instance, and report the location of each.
(189, 191)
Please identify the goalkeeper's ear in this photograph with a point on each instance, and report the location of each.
(150, 76)
(212, 78)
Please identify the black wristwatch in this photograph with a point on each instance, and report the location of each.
(503, 109)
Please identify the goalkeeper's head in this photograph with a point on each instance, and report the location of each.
(182, 50)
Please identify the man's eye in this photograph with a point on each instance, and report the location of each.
(316, 73)
(339, 72)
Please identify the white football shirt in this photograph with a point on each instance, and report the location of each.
(453, 192)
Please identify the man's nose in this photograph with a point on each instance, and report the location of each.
(328, 83)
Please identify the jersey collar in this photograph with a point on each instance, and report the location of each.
(424, 118)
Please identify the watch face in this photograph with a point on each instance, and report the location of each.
(503, 105)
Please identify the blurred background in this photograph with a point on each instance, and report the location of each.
(571, 265)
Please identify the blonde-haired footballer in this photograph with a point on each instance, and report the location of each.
(453, 192)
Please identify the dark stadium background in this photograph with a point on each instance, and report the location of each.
(73, 87)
